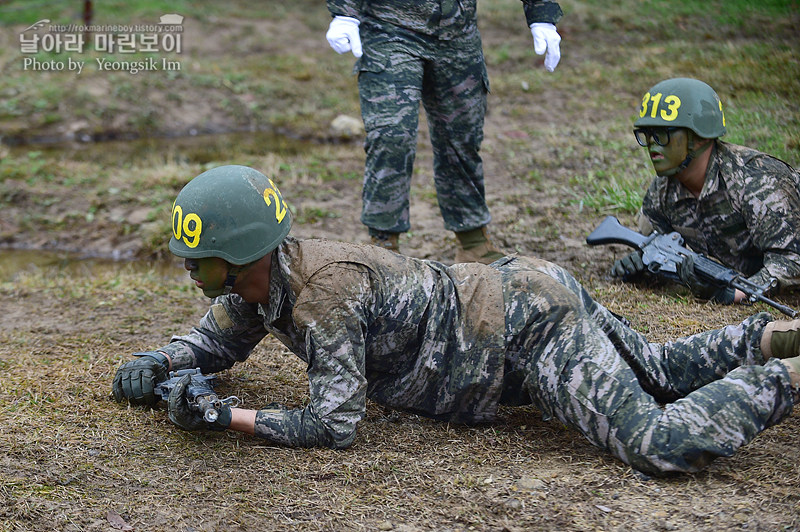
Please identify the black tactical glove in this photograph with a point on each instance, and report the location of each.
(188, 418)
(629, 267)
(723, 295)
(136, 380)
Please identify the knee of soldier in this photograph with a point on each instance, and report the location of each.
(390, 138)
(663, 449)
(565, 302)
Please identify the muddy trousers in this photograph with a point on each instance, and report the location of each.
(396, 73)
(660, 408)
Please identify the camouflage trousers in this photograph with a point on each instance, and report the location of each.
(400, 69)
(657, 407)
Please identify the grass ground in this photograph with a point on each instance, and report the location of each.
(559, 155)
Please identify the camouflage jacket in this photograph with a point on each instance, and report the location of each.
(747, 215)
(411, 334)
(445, 19)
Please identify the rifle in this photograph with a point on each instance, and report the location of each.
(200, 392)
(663, 255)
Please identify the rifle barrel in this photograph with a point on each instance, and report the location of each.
(789, 311)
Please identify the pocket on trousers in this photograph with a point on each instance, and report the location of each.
(377, 91)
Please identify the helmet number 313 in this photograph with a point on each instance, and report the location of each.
(189, 226)
(669, 112)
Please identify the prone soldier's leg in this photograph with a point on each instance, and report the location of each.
(454, 95)
(389, 84)
(574, 372)
(672, 370)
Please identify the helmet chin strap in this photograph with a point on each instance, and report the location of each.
(692, 153)
(230, 280)
(233, 272)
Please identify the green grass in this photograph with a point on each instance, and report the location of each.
(609, 195)
(746, 50)
(120, 11)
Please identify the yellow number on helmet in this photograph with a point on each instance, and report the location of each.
(192, 227)
(671, 112)
(177, 212)
(656, 101)
(280, 207)
(643, 110)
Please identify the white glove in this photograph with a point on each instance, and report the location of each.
(343, 35)
(545, 37)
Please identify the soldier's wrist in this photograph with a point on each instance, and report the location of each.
(725, 296)
(159, 356)
(223, 421)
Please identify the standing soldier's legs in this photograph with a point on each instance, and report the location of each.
(574, 371)
(454, 94)
(389, 84)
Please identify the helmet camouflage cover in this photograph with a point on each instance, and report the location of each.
(232, 212)
(683, 102)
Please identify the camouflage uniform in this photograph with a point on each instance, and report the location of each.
(453, 343)
(747, 215)
(428, 51)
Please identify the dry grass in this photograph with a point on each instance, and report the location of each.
(72, 459)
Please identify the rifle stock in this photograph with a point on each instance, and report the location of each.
(610, 231)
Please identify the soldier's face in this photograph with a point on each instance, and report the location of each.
(670, 155)
(209, 274)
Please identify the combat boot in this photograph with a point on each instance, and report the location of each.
(476, 246)
(383, 239)
(781, 339)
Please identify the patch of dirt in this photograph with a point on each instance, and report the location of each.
(72, 459)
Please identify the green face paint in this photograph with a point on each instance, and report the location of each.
(209, 274)
(665, 158)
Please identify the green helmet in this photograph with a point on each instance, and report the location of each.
(232, 212)
(683, 102)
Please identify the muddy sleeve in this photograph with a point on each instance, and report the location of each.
(225, 335)
(331, 311)
(771, 208)
(541, 11)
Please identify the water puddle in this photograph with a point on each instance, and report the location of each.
(15, 261)
(200, 149)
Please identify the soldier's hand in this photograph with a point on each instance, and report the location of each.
(628, 267)
(187, 418)
(702, 289)
(136, 380)
(547, 39)
(343, 35)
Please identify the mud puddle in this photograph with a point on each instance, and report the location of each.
(200, 148)
(16, 261)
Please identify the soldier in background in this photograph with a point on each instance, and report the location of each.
(450, 343)
(427, 51)
(729, 202)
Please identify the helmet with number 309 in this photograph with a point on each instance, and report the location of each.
(232, 212)
(683, 102)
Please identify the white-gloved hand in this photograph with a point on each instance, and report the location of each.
(343, 35)
(546, 38)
